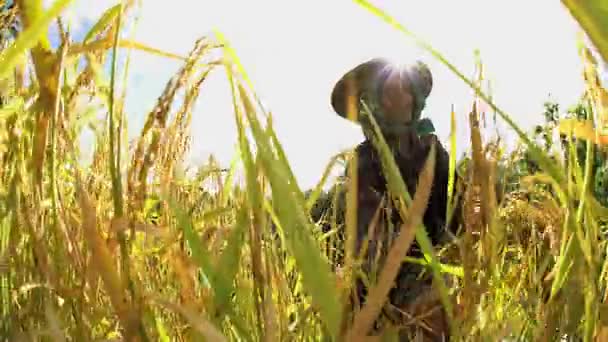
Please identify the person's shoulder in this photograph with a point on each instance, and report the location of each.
(365, 147)
(367, 156)
(430, 137)
(441, 152)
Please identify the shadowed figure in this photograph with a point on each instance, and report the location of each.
(396, 97)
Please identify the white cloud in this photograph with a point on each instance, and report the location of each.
(295, 51)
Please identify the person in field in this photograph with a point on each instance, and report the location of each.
(396, 96)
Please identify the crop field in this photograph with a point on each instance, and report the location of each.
(130, 247)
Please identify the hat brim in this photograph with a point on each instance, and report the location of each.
(361, 75)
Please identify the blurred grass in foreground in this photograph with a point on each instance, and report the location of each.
(130, 247)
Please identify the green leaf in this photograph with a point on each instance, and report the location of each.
(228, 263)
(104, 21)
(592, 16)
(290, 206)
(200, 255)
(29, 38)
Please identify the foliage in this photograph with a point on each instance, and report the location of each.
(593, 17)
(87, 253)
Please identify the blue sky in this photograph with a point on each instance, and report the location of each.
(295, 51)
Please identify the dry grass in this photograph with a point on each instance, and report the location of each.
(162, 257)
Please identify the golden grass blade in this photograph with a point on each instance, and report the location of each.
(480, 179)
(31, 36)
(104, 262)
(352, 192)
(204, 327)
(47, 68)
(103, 44)
(149, 145)
(107, 18)
(115, 172)
(364, 319)
(452, 169)
(580, 129)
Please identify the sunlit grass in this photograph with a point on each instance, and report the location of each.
(87, 253)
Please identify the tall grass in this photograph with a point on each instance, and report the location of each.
(130, 248)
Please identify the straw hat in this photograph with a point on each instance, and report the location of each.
(395, 94)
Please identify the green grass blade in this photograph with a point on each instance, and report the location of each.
(229, 259)
(200, 255)
(319, 187)
(396, 185)
(290, 204)
(457, 271)
(29, 38)
(104, 21)
(592, 15)
(452, 166)
(316, 275)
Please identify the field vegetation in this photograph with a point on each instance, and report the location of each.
(130, 247)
